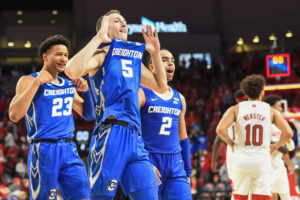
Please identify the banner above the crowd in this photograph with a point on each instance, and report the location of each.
(174, 27)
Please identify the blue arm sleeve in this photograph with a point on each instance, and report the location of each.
(88, 106)
(185, 154)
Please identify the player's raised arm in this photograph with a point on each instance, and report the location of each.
(225, 123)
(25, 90)
(157, 80)
(280, 122)
(86, 60)
(84, 106)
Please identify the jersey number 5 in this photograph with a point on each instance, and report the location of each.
(256, 131)
(58, 104)
(126, 68)
(167, 123)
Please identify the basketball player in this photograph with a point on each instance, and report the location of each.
(279, 174)
(47, 100)
(165, 137)
(251, 163)
(239, 97)
(115, 71)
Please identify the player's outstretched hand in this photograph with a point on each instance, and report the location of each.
(103, 32)
(44, 77)
(152, 41)
(82, 85)
(157, 175)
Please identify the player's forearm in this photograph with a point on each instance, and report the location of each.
(284, 138)
(222, 133)
(287, 160)
(20, 104)
(77, 65)
(159, 72)
(216, 149)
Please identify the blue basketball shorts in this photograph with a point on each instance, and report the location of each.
(53, 166)
(175, 184)
(117, 155)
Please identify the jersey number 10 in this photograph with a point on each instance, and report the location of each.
(257, 130)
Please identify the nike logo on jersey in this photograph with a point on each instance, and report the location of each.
(154, 99)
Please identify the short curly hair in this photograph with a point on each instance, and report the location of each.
(99, 21)
(51, 41)
(252, 85)
(272, 99)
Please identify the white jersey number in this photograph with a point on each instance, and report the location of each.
(126, 68)
(58, 104)
(167, 123)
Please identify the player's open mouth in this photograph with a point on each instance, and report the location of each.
(123, 31)
(170, 71)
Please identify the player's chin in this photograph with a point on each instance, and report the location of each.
(169, 78)
(123, 36)
(60, 69)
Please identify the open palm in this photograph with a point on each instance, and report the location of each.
(152, 41)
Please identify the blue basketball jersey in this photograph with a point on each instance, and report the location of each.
(160, 122)
(115, 85)
(50, 114)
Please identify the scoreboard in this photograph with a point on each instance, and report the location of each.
(278, 65)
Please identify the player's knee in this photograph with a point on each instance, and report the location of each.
(145, 194)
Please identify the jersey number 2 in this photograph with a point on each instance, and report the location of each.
(58, 104)
(257, 130)
(167, 123)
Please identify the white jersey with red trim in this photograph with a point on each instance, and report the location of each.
(276, 155)
(252, 138)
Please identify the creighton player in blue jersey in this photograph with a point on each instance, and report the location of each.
(165, 137)
(47, 100)
(117, 153)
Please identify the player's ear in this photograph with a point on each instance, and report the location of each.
(151, 67)
(44, 56)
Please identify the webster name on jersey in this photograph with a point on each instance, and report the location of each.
(165, 110)
(254, 116)
(59, 92)
(127, 53)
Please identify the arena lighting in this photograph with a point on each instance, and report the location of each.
(19, 12)
(27, 44)
(278, 65)
(53, 21)
(255, 39)
(240, 41)
(54, 12)
(20, 21)
(289, 34)
(174, 27)
(272, 37)
(10, 44)
(282, 87)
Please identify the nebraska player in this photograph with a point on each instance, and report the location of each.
(280, 183)
(251, 164)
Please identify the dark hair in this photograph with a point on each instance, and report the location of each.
(272, 99)
(149, 59)
(239, 96)
(252, 85)
(99, 21)
(51, 41)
